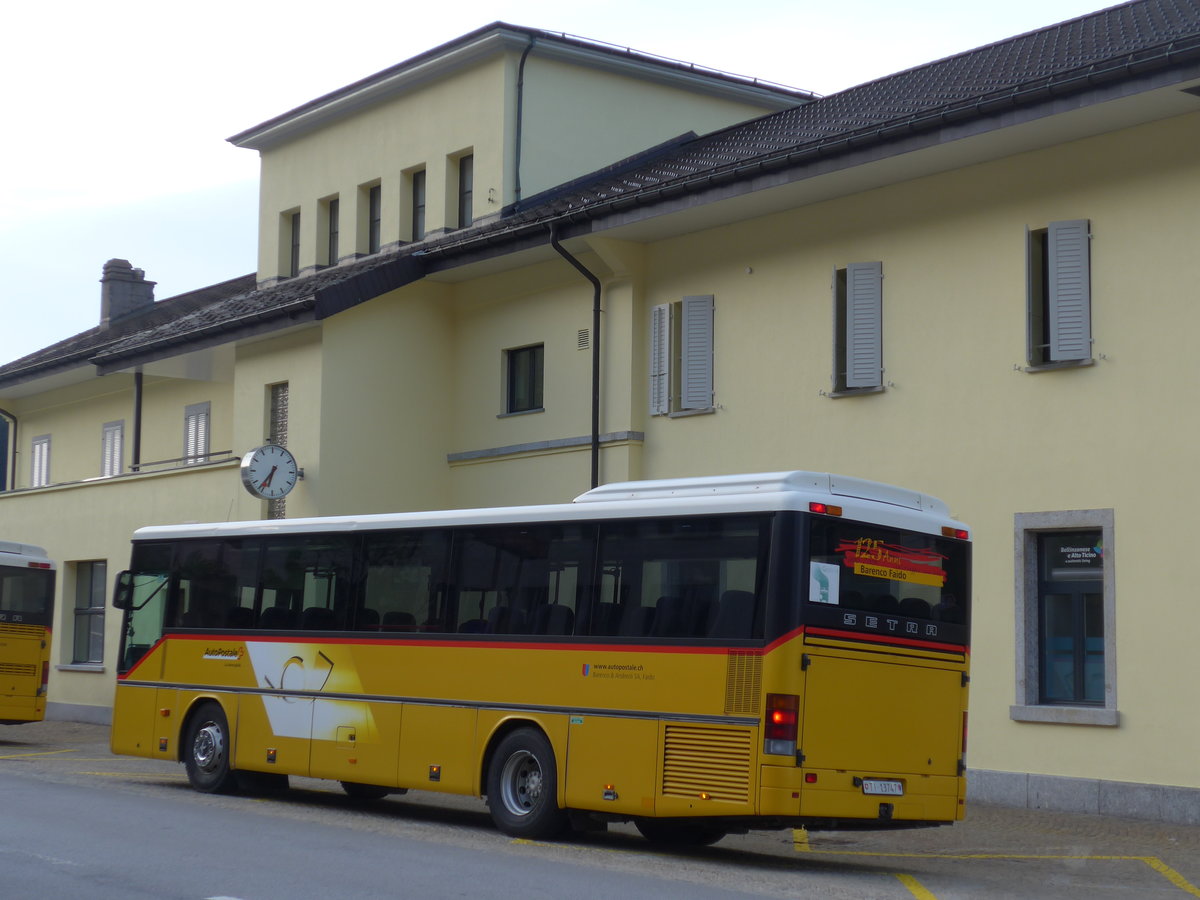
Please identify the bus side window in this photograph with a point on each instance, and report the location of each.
(402, 590)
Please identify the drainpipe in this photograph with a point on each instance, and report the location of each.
(595, 350)
(520, 121)
(135, 460)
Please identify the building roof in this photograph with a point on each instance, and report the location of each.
(1108, 50)
(498, 37)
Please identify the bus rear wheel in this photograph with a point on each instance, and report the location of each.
(206, 751)
(522, 786)
(673, 833)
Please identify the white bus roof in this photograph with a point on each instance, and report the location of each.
(26, 551)
(865, 500)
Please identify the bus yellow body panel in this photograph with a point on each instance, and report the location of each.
(24, 652)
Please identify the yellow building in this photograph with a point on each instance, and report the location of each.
(510, 267)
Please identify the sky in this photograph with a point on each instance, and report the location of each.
(116, 114)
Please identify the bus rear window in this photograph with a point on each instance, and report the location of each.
(908, 584)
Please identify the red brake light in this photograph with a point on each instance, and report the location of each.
(782, 717)
(960, 533)
(824, 509)
(39, 565)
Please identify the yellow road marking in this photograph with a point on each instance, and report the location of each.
(800, 840)
(914, 887)
(46, 753)
(1152, 861)
(1171, 875)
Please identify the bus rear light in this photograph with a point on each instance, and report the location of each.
(45, 678)
(824, 509)
(782, 724)
(960, 533)
(810, 778)
(40, 565)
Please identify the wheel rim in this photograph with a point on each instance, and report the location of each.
(208, 749)
(521, 783)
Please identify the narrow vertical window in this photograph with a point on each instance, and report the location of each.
(374, 218)
(858, 327)
(1071, 615)
(1066, 614)
(277, 433)
(195, 433)
(466, 189)
(294, 255)
(88, 643)
(418, 205)
(39, 475)
(1059, 293)
(331, 251)
(525, 373)
(111, 445)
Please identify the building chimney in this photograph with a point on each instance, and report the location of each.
(123, 290)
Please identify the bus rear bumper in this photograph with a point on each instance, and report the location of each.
(878, 801)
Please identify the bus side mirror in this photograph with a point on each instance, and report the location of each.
(123, 591)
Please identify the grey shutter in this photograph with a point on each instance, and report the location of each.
(1070, 305)
(660, 356)
(696, 364)
(864, 325)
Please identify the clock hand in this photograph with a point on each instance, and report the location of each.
(267, 481)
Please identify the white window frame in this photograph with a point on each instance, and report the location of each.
(1028, 706)
(90, 584)
(39, 467)
(112, 446)
(197, 423)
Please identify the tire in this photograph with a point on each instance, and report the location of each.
(522, 787)
(206, 751)
(364, 791)
(676, 833)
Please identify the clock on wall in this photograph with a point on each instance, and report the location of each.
(269, 472)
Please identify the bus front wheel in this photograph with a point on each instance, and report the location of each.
(206, 751)
(522, 786)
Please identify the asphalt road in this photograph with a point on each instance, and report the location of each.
(80, 822)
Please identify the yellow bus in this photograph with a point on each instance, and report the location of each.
(26, 614)
(698, 656)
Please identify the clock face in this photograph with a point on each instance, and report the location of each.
(269, 472)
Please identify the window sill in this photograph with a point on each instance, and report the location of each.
(684, 413)
(855, 392)
(1054, 367)
(520, 412)
(95, 668)
(1066, 715)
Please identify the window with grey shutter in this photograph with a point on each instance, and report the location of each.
(1059, 294)
(858, 327)
(1070, 306)
(696, 353)
(660, 360)
(195, 433)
